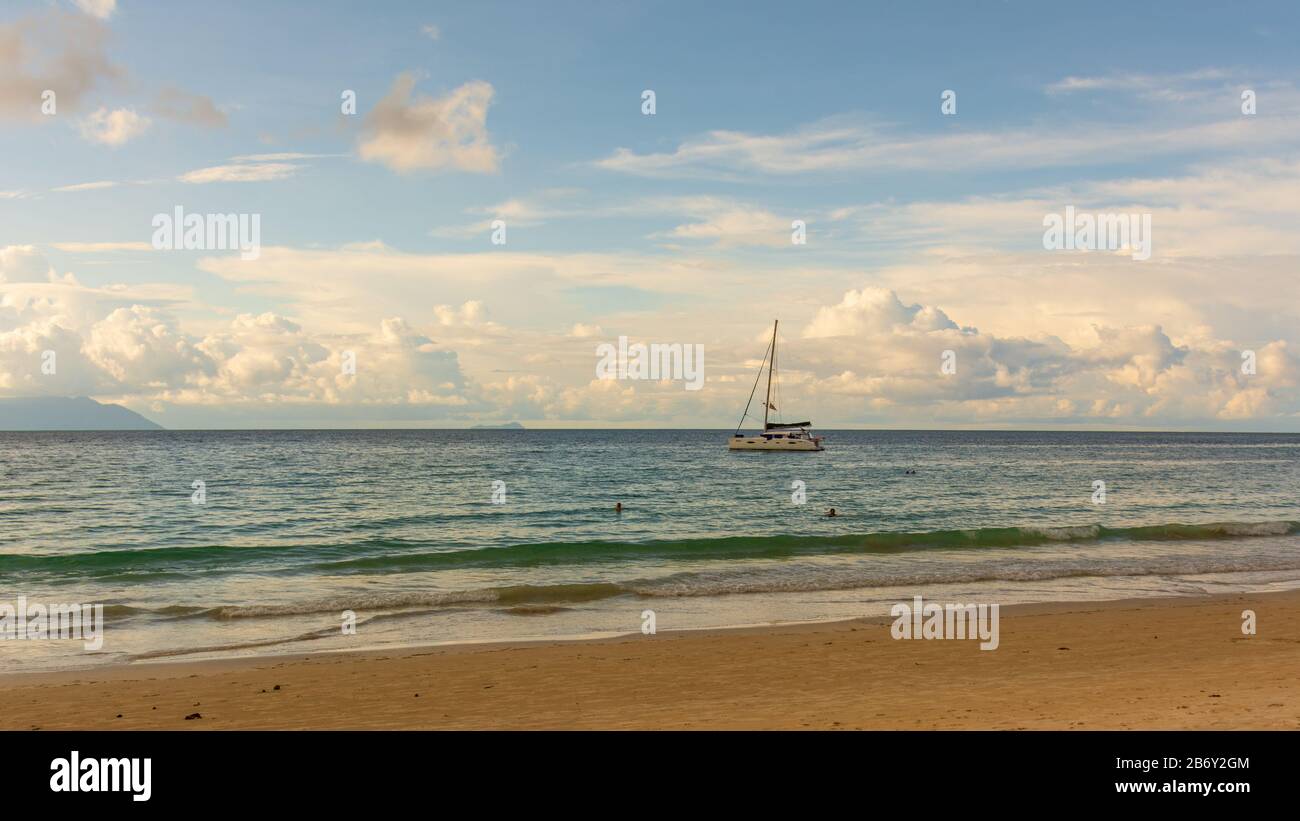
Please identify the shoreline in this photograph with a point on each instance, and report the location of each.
(232, 654)
(1174, 662)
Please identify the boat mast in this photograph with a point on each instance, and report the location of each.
(767, 403)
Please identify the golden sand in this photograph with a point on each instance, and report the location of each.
(1168, 663)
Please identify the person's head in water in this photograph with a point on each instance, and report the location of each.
(830, 512)
(618, 507)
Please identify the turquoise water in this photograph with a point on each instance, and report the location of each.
(400, 528)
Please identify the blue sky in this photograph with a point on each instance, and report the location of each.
(924, 229)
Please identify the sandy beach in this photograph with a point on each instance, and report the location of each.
(1151, 664)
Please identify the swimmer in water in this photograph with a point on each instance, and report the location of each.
(831, 512)
(618, 507)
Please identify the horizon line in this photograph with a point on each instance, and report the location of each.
(527, 429)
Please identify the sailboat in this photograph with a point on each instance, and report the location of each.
(775, 435)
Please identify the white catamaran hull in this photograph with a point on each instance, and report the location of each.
(761, 443)
(779, 436)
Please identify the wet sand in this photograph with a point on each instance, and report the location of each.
(1152, 664)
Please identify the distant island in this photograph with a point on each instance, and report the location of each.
(506, 426)
(68, 413)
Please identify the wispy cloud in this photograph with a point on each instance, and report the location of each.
(100, 247)
(85, 186)
(735, 156)
(247, 168)
(240, 172)
(284, 156)
(1141, 83)
(1245, 207)
(186, 107)
(843, 144)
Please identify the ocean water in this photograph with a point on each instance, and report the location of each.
(400, 528)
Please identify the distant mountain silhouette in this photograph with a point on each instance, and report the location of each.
(68, 413)
(506, 426)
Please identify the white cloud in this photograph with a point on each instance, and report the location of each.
(1245, 207)
(241, 172)
(113, 128)
(142, 348)
(841, 144)
(335, 287)
(431, 31)
(253, 168)
(873, 348)
(736, 226)
(872, 309)
(85, 186)
(144, 354)
(100, 247)
(103, 9)
(1135, 81)
(427, 133)
(22, 351)
(469, 313)
(24, 263)
(1040, 339)
(270, 359)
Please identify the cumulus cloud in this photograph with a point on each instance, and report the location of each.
(24, 263)
(23, 351)
(132, 344)
(142, 348)
(874, 309)
(113, 128)
(873, 348)
(428, 133)
(103, 9)
(1136, 356)
(143, 354)
(470, 313)
(865, 356)
(268, 358)
(264, 356)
